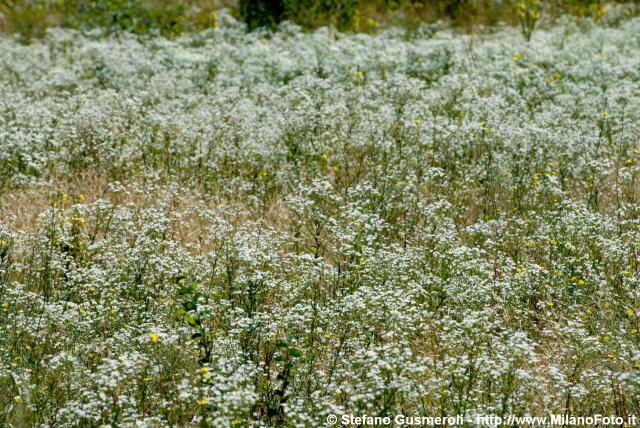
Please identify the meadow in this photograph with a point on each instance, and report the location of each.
(224, 228)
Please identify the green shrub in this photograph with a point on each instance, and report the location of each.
(310, 13)
(23, 16)
(259, 13)
(131, 15)
(307, 13)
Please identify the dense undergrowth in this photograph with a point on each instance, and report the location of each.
(31, 18)
(293, 225)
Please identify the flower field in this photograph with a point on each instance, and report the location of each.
(264, 229)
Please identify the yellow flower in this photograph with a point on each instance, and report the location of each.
(553, 242)
(335, 168)
(203, 401)
(605, 339)
(629, 312)
(581, 282)
(417, 121)
(516, 56)
(154, 337)
(633, 331)
(604, 114)
(550, 303)
(588, 311)
(611, 355)
(606, 304)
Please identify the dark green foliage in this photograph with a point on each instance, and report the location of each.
(310, 13)
(130, 15)
(261, 13)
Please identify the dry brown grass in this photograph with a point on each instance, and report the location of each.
(20, 208)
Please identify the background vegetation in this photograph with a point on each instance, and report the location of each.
(32, 17)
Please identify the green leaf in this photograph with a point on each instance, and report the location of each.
(189, 306)
(180, 312)
(190, 320)
(295, 352)
(184, 290)
(282, 345)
